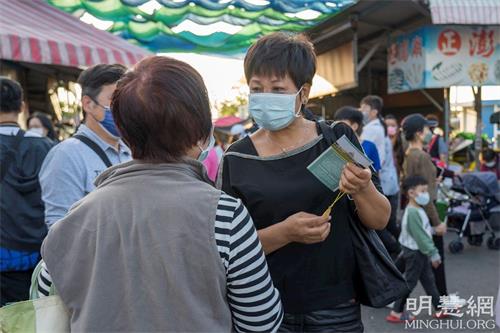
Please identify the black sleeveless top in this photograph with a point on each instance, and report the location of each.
(309, 277)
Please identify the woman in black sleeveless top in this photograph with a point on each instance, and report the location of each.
(311, 258)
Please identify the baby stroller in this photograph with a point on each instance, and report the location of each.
(471, 200)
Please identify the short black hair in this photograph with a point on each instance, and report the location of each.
(351, 114)
(94, 78)
(411, 182)
(375, 102)
(281, 54)
(11, 95)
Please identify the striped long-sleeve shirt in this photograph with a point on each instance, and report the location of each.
(254, 302)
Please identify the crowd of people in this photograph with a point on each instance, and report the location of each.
(126, 226)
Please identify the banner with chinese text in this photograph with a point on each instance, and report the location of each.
(443, 56)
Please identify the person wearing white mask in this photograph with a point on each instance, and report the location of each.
(419, 250)
(310, 256)
(374, 129)
(41, 124)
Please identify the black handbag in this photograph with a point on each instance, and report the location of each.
(378, 281)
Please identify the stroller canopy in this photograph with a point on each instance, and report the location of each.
(481, 183)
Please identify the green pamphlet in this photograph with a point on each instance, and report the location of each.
(328, 166)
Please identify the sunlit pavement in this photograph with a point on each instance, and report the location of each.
(474, 272)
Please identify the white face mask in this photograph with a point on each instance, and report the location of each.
(273, 111)
(490, 164)
(366, 117)
(423, 198)
(204, 152)
(37, 130)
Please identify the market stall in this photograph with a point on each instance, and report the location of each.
(45, 49)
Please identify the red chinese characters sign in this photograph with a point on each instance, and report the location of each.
(449, 42)
(442, 56)
(482, 43)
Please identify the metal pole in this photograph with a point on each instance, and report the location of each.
(479, 126)
(446, 110)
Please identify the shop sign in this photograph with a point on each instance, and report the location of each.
(443, 56)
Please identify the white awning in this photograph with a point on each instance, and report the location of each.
(465, 11)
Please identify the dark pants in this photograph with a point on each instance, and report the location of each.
(418, 268)
(439, 273)
(14, 286)
(345, 317)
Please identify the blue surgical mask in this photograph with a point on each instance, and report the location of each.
(204, 152)
(108, 123)
(423, 198)
(273, 111)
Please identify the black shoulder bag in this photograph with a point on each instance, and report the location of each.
(379, 282)
(92, 145)
(10, 155)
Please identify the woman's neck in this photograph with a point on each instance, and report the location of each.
(270, 143)
(297, 129)
(416, 145)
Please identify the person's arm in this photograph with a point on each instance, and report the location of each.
(372, 206)
(376, 159)
(45, 287)
(62, 183)
(417, 232)
(379, 141)
(254, 302)
(372, 153)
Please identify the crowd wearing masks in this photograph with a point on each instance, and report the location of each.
(134, 226)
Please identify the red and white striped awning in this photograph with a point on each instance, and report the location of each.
(465, 11)
(33, 31)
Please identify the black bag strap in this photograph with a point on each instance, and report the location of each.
(92, 145)
(327, 131)
(10, 155)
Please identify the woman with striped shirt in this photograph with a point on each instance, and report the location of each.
(156, 246)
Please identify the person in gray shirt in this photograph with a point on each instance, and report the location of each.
(70, 168)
